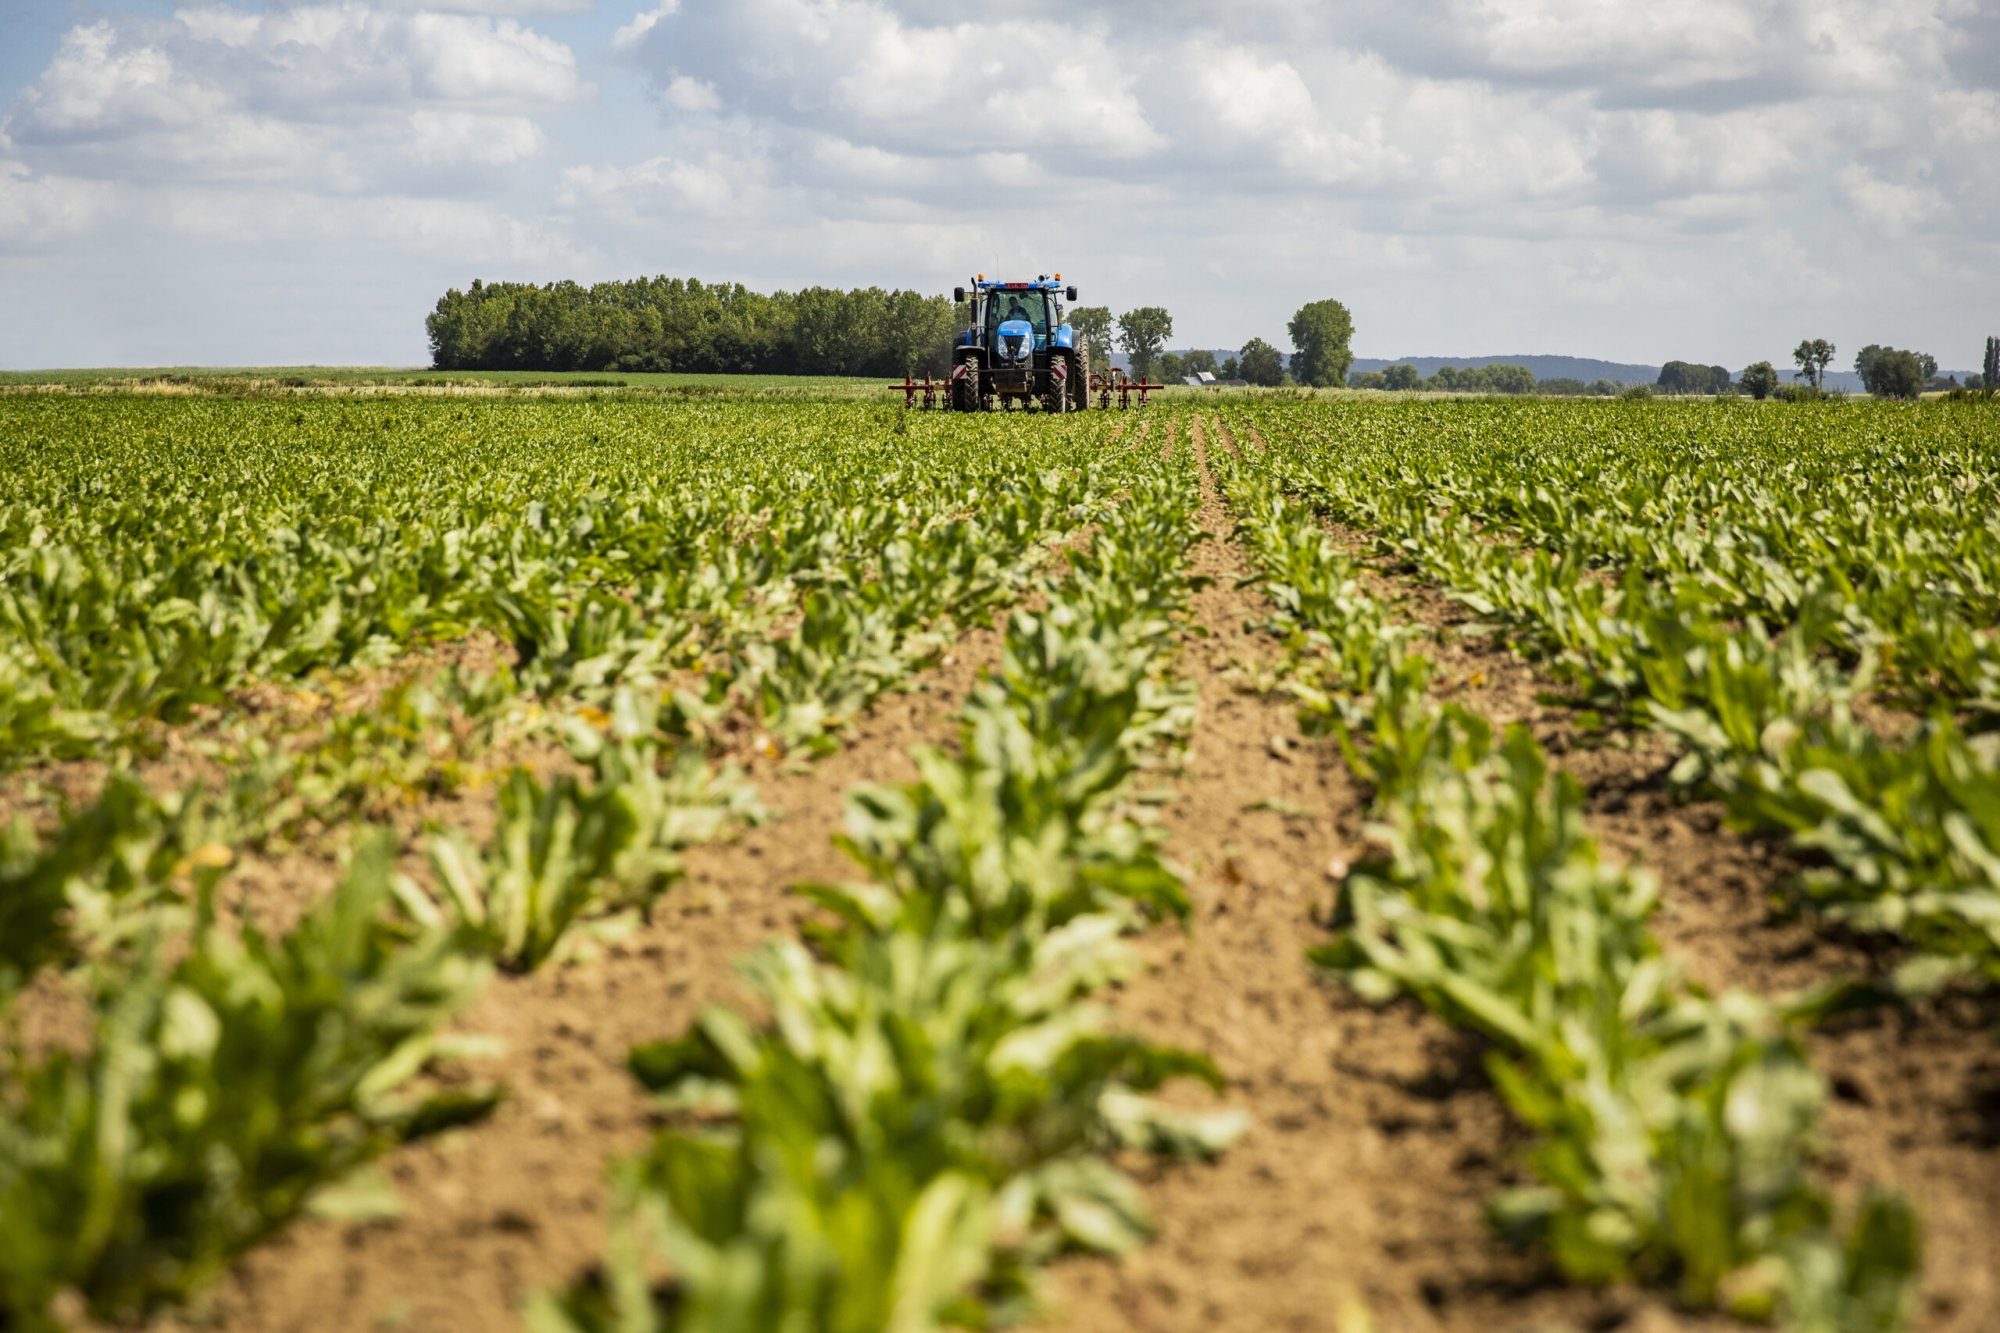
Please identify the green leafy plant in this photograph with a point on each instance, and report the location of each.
(924, 1118)
(1674, 1129)
(564, 853)
(219, 1093)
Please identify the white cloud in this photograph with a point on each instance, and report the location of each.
(1635, 182)
(99, 83)
(513, 8)
(1689, 43)
(448, 138)
(642, 23)
(36, 211)
(855, 67)
(339, 93)
(687, 94)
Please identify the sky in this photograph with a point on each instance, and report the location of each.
(227, 182)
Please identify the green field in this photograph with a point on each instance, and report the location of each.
(268, 379)
(393, 783)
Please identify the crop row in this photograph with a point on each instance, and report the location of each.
(650, 587)
(867, 602)
(1673, 1129)
(1756, 622)
(229, 1078)
(155, 557)
(1881, 523)
(924, 1117)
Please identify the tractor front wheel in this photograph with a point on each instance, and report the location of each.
(965, 388)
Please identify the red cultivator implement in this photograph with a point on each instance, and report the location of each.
(929, 395)
(933, 392)
(1107, 383)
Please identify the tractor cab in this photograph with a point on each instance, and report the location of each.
(1018, 324)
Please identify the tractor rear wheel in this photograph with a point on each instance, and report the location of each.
(1078, 385)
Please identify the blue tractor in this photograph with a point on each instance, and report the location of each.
(1016, 350)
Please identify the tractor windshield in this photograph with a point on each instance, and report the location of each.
(1030, 306)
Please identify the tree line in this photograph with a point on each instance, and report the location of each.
(1885, 372)
(1404, 378)
(1321, 332)
(686, 325)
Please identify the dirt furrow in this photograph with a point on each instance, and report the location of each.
(1375, 1138)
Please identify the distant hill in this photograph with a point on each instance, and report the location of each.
(1582, 368)
(1587, 369)
(1846, 381)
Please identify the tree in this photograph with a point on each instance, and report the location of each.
(1889, 372)
(1322, 331)
(673, 324)
(1197, 362)
(1864, 364)
(1143, 333)
(1813, 355)
(1929, 364)
(1760, 380)
(1989, 376)
(1687, 377)
(1093, 322)
(1173, 369)
(1369, 379)
(918, 333)
(1893, 373)
(1259, 363)
(1682, 377)
(1230, 370)
(1507, 379)
(1401, 377)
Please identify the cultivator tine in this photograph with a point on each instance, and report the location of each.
(1105, 384)
(932, 391)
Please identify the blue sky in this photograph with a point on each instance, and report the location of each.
(233, 182)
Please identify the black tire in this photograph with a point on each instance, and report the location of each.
(965, 389)
(1078, 386)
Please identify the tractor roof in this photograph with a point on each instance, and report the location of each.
(1041, 284)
